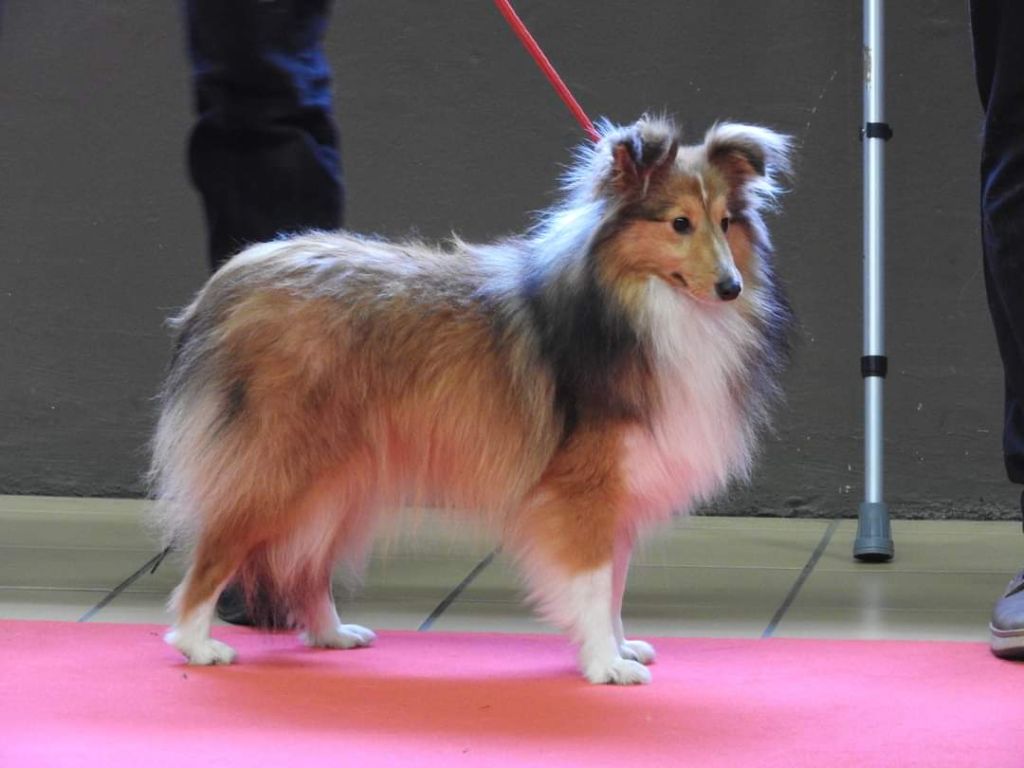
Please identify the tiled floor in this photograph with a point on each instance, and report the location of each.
(70, 559)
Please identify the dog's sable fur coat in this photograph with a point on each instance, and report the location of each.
(609, 368)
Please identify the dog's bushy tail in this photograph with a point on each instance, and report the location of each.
(185, 439)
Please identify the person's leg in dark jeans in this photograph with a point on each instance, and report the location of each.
(264, 151)
(998, 30)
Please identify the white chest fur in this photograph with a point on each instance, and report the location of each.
(700, 436)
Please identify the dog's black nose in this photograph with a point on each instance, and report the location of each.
(728, 289)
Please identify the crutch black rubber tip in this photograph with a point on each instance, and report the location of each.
(874, 536)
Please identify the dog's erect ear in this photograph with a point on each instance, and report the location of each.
(641, 153)
(749, 156)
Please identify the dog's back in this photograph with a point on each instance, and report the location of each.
(372, 363)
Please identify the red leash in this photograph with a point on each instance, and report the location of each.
(505, 6)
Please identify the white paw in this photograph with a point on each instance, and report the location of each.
(637, 650)
(201, 653)
(341, 636)
(618, 672)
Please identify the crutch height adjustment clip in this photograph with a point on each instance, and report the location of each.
(874, 365)
(876, 131)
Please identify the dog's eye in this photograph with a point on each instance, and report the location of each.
(682, 225)
(725, 224)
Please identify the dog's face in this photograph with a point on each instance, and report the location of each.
(685, 212)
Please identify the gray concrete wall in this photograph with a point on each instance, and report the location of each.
(448, 125)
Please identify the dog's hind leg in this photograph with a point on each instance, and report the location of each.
(215, 562)
(318, 614)
(325, 630)
(336, 523)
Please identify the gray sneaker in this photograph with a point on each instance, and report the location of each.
(1007, 626)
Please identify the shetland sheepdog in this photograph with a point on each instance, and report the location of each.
(606, 370)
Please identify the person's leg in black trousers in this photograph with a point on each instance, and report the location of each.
(264, 152)
(998, 29)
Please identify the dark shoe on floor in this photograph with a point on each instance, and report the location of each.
(1007, 627)
(232, 608)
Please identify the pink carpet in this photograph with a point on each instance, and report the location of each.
(115, 695)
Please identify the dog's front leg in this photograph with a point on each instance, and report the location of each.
(636, 650)
(567, 543)
(595, 626)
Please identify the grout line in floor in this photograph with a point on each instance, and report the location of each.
(452, 596)
(152, 563)
(798, 584)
